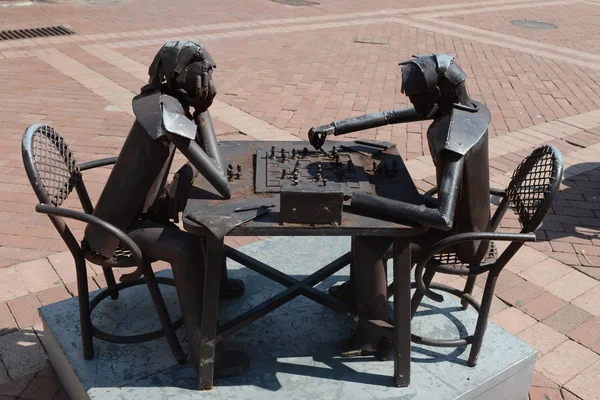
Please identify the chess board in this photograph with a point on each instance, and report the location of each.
(275, 166)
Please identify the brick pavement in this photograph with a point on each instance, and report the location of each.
(284, 69)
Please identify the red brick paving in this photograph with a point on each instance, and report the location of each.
(309, 75)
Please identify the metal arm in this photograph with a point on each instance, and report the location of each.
(209, 166)
(125, 240)
(441, 217)
(317, 135)
(97, 163)
(460, 238)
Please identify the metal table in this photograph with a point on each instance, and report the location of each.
(202, 194)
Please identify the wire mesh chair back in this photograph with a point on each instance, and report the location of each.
(534, 186)
(50, 164)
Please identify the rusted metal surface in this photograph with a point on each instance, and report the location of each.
(397, 187)
(275, 166)
(307, 203)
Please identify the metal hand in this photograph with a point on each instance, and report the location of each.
(318, 134)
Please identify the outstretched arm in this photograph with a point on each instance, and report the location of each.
(317, 135)
(441, 217)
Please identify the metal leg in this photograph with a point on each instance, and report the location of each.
(161, 310)
(402, 266)
(206, 341)
(484, 312)
(110, 282)
(468, 289)
(84, 310)
(418, 296)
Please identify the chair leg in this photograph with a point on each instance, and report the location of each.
(468, 290)
(163, 314)
(111, 283)
(415, 302)
(87, 342)
(484, 312)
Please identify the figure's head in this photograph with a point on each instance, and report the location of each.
(432, 82)
(184, 66)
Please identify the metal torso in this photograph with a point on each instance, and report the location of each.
(473, 207)
(134, 183)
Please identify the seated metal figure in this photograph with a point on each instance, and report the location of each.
(458, 142)
(136, 199)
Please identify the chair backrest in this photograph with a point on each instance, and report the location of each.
(534, 185)
(50, 165)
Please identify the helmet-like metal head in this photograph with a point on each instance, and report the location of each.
(184, 66)
(430, 81)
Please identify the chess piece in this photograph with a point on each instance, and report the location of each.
(305, 152)
(324, 182)
(239, 172)
(283, 174)
(230, 172)
(296, 181)
(272, 156)
(293, 154)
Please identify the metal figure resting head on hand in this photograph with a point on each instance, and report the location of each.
(458, 143)
(136, 197)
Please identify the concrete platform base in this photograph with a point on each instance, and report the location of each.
(291, 350)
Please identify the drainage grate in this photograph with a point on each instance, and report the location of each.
(530, 24)
(296, 2)
(372, 40)
(35, 33)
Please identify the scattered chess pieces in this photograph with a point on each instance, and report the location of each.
(238, 175)
(230, 173)
(272, 156)
(283, 157)
(297, 166)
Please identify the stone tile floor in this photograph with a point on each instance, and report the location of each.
(281, 70)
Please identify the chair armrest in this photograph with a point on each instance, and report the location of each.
(431, 191)
(90, 219)
(460, 238)
(498, 192)
(97, 163)
(494, 192)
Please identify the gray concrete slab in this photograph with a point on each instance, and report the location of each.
(291, 350)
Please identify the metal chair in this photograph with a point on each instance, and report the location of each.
(530, 194)
(53, 173)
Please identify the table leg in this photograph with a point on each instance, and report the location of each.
(206, 342)
(402, 267)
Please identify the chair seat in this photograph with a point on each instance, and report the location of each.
(450, 264)
(120, 258)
